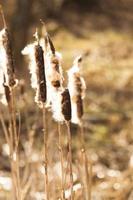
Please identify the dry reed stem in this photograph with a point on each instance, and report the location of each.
(87, 176)
(15, 143)
(45, 152)
(62, 161)
(67, 168)
(79, 174)
(13, 138)
(70, 157)
(90, 180)
(27, 187)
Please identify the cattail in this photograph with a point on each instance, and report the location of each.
(7, 57)
(40, 73)
(77, 87)
(61, 105)
(59, 99)
(37, 71)
(38, 83)
(57, 95)
(54, 72)
(66, 105)
(9, 83)
(7, 75)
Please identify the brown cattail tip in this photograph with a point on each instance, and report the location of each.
(79, 103)
(80, 59)
(40, 73)
(51, 44)
(66, 105)
(10, 65)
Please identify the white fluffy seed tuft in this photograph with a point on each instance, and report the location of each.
(73, 74)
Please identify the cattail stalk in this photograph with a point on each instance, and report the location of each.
(70, 157)
(54, 82)
(9, 84)
(66, 111)
(42, 98)
(90, 180)
(77, 87)
(38, 83)
(16, 143)
(45, 132)
(61, 161)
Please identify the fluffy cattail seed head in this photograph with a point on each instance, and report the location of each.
(36, 66)
(54, 74)
(77, 87)
(61, 105)
(7, 62)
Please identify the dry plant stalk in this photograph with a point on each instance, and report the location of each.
(77, 87)
(61, 107)
(60, 103)
(54, 87)
(62, 113)
(7, 66)
(66, 111)
(38, 83)
(61, 160)
(42, 98)
(70, 157)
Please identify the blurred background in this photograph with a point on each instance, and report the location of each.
(103, 28)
